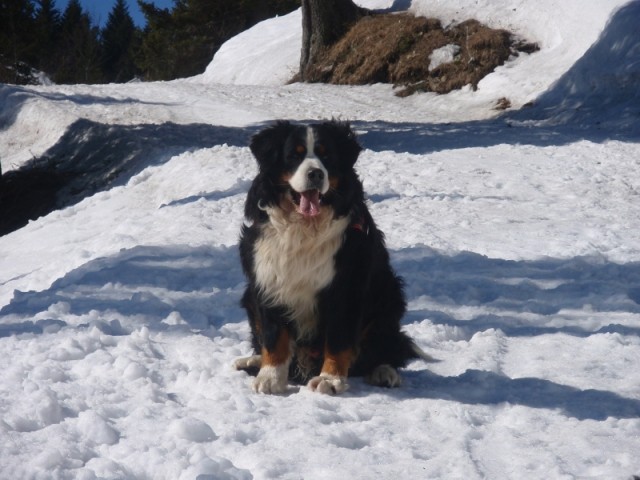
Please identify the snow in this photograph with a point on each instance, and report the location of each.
(442, 55)
(281, 34)
(516, 234)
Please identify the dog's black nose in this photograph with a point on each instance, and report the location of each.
(315, 176)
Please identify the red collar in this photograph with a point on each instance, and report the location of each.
(361, 226)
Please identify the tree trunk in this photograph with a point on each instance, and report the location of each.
(323, 23)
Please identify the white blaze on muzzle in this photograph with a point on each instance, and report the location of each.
(310, 180)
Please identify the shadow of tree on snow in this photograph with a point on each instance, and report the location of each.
(540, 288)
(544, 290)
(477, 387)
(197, 288)
(92, 157)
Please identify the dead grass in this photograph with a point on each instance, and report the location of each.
(396, 48)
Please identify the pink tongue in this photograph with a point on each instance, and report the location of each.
(310, 203)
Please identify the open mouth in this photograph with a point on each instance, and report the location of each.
(307, 203)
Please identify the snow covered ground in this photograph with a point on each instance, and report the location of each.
(517, 235)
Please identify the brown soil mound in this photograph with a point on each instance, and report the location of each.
(396, 48)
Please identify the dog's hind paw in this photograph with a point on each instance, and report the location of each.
(328, 384)
(384, 376)
(248, 363)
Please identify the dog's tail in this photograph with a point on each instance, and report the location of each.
(420, 353)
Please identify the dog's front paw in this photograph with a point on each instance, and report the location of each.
(271, 379)
(328, 384)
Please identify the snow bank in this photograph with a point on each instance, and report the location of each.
(602, 86)
(266, 54)
(246, 59)
(269, 53)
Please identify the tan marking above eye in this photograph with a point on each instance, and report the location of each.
(301, 149)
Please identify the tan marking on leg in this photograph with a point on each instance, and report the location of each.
(281, 353)
(337, 364)
(274, 371)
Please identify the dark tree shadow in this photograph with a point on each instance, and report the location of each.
(475, 387)
(509, 288)
(202, 285)
(540, 287)
(92, 157)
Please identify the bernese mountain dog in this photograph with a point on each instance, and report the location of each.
(322, 299)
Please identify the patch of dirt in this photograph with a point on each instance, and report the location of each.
(399, 49)
(503, 103)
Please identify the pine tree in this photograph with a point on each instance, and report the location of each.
(16, 30)
(156, 41)
(47, 36)
(182, 42)
(79, 48)
(118, 43)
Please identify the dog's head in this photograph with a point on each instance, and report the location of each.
(305, 168)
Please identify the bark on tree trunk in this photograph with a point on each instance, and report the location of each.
(323, 23)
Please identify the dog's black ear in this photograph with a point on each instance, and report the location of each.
(267, 144)
(346, 139)
(258, 197)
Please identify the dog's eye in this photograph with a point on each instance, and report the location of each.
(301, 149)
(321, 151)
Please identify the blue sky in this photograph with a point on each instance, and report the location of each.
(99, 9)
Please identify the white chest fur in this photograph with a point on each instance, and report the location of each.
(294, 261)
